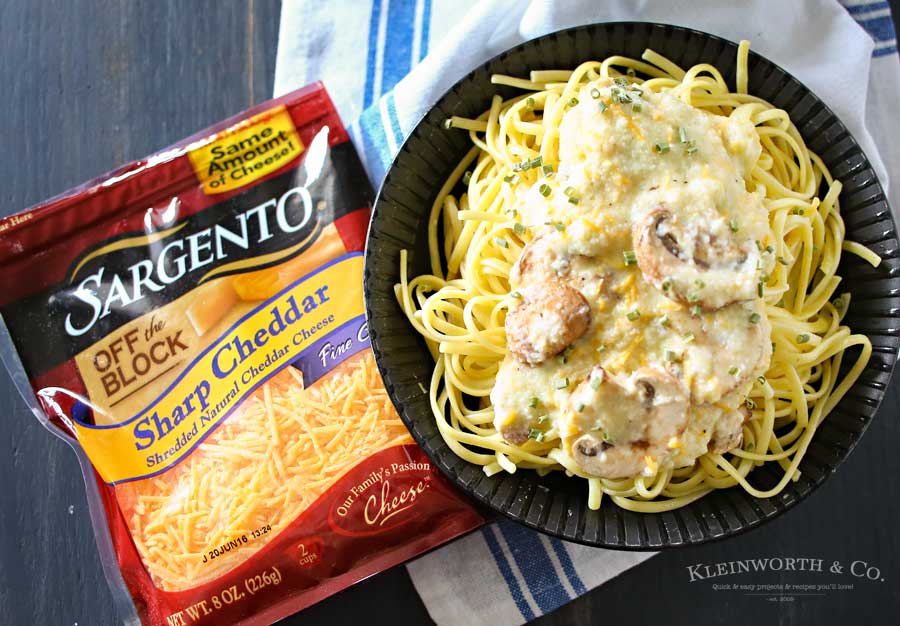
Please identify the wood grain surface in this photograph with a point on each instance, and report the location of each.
(89, 85)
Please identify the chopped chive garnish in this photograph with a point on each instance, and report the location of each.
(595, 383)
(630, 72)
(682, 135)
(448, 123)
(770, 249)
(667, 284)
(595, 93)
(803, 338)
(750, 404)
(629, 257)
(602, 106)
(529, 104)
(700, 284)
(733, 370)
(569, 191)
(759, 289)
(579, 407)
(543, 418)
(662, 147)
(689, 337)
(606, 436)
(467, 177)
(695, 310)
(422, 387)
(664, 321)
(506, 179)
(573, 200)
(693, 297)
(691, 147)
(754, 318)
(544, 189)
(562, 384)
(559, 226)
(516, 295)
(601, 348)
(671, 355)
(764, 278)
(620, 96)
(761, 380)
(533, 402)
(837, 303)
(537, 435)
(633, 315)
(733, 225)
(637, 107)
(573, 102)
(547, 169)
(518, 228)
(620, 81)
(782, 260)
(500, 241)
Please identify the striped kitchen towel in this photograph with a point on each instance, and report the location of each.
(386, 61)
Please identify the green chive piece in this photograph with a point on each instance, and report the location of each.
(573, 200)
(536, 434)
(573, 102)
(422, 387)
(569, 191)
(506, 179)
(682, 135)
(667, 284)
(544, 189)
(664, 321)
(759, 289)
(662, 147)
(543, 418)
(516, 295)
(782, 260)
(633, 315)
(750, 404)
(693, 297)
(559, 226)
(602, 106)
(529, 104)
(579, 407)
(754, 318)
(733, 225)
(518, 228)
(695, 310)
(467, 177)
(620, 81)
(691, 147)
(595, 93)
(448, 124)
(803, 338)
(547, 169)
(630, 72)
(770, 249)
(689, 337)
(761, 380)
(595, 383)
(671, 355)
(700, 284)
(838, 303)
(629, 257)
(500, 241)
(733, 370)
(606, 436)
(562, 384)
(601, 348)
(637, 107)
(533, 403)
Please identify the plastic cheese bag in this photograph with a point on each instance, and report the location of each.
(193, 325)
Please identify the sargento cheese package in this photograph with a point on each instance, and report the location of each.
(193, 325)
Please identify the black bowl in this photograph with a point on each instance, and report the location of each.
(555, 504)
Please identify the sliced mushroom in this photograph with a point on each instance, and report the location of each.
(550, 316)
(729, 431)
(616, 422)
(695, 263)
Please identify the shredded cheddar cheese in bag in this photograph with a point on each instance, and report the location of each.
(193, 323)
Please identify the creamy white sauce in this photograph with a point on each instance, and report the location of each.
(622, 164)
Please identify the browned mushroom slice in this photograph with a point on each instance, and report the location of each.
(696, 263)
(625, 420)
(550, 316)
(729, 431)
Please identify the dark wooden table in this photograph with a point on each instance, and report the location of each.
(90, 85)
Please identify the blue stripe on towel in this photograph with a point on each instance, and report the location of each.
(880, 28)
(426, 29)
(374, 141)
(537, 569)
(568, 567)
(368, 89)
(503, 565)
(395, 121)
(866, 8)
(397, 58)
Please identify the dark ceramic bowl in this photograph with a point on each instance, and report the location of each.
(555, 504)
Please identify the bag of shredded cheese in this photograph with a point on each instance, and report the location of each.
(193, 325)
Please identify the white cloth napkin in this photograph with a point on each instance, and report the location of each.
(385, 62)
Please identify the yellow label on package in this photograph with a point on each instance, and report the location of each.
(265, 340)
(247, 152)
